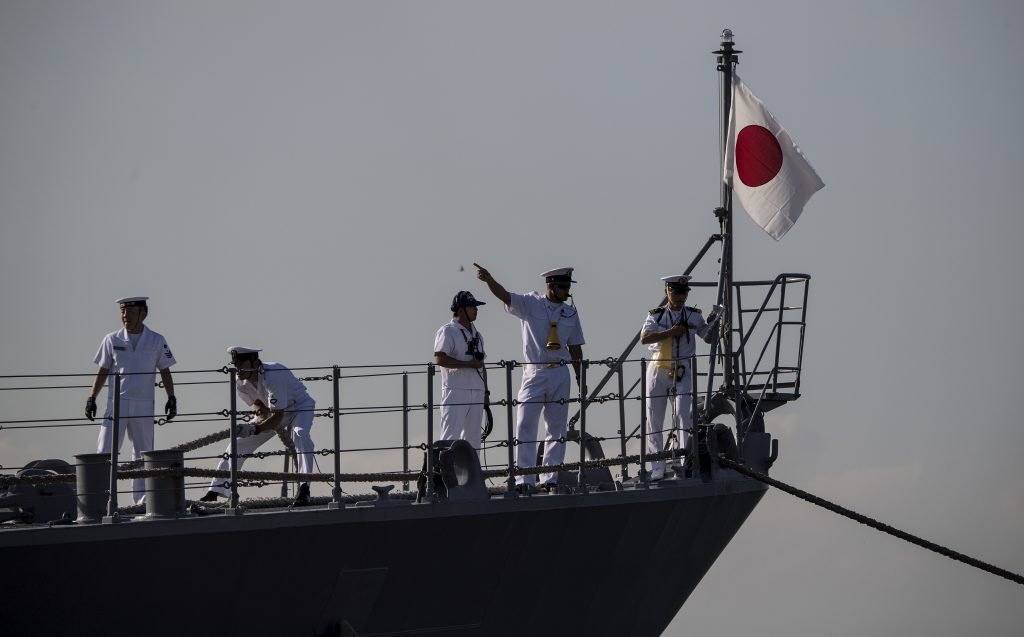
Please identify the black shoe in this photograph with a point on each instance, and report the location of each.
(525, 489)
(548, 487)
(302, 495)
(211, 496)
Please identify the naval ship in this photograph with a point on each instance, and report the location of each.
(582, 558)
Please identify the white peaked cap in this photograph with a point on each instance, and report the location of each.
(676, 278)
(132, 300)
(559, 272)
(238, 350)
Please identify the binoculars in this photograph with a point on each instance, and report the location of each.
(473, 349)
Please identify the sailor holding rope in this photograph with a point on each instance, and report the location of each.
(552, 339)
(670, 333)
(280, 401)
(459, 352)
(136, 352)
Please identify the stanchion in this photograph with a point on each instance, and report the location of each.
(622, 420)
(430, 432)
(233, 508)
(111, 517)
(510, 483)
(643, 474)
(405, 428)
(336, 503)
(582, 482)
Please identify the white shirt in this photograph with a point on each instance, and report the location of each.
(453, 339)
(276, 387)
(537, 314)
(679, 346)
(117, 354)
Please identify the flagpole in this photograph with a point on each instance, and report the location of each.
(728, 58)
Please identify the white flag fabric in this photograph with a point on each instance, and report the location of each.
(769, 174)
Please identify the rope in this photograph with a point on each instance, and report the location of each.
(878, 526)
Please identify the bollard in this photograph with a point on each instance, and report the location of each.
(92, 472)
(165, 495)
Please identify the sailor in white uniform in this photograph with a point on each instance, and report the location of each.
(552, 339)
(136, 352)
(670, 332)
(459, 352)
(280, 400)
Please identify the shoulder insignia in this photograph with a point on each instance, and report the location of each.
(658, 311)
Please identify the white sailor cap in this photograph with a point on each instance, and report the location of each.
(238, 351)
(132, 301)
(558, 275)
(677, 279)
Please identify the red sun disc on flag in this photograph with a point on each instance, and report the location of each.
(758, 155)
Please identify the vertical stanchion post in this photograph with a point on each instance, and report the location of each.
(510, 483)
(622, 421)
(336, 492)
(643, 475)
(405, 428)
(692, 451)
(430, 432)
(583, 424)
(232, 508)
(114, 439)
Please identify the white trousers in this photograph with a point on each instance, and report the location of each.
(660, 389)
(301, 421)
(462, 415)
(135, 417)
(541, 390)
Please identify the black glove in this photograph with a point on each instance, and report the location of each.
(90, 407)
(171, 408)
(488, 422)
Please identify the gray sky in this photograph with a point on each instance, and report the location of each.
(309, 177)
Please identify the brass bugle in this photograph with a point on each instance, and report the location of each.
(553, 342)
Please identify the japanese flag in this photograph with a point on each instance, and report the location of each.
(769, 174)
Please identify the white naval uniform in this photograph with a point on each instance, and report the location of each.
(462, 388)
(545, 380)
(277, 388)
(668, 354)
(138, 365)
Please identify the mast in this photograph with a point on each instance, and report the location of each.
(728, 58)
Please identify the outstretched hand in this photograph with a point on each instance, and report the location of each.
(482, 273)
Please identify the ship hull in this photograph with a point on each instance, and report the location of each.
(606, 563)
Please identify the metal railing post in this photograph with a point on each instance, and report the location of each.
(430, 432)
(405, 428)
(114, 438)
(692, 451)
(778, 335)
(233, 401)
(510, 482)
(336, 390)
(622, 420)
(582, 482)
(643, 475)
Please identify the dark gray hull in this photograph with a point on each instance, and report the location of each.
(613, 563)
